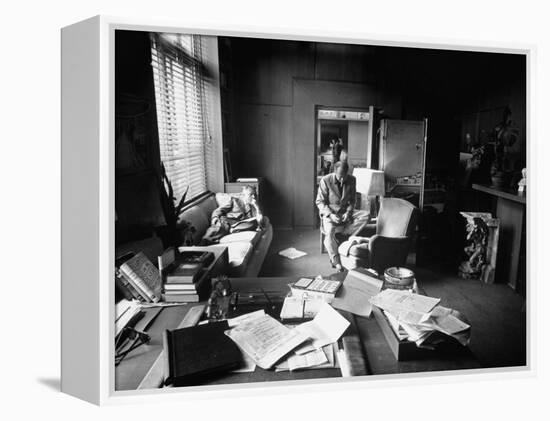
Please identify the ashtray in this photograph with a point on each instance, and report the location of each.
(399, 276)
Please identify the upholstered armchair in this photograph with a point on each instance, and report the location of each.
(386, 243)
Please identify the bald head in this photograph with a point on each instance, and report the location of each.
(341, 170)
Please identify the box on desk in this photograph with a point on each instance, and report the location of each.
(402, 349)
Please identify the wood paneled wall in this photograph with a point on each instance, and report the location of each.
(271, 141)
(277, 85)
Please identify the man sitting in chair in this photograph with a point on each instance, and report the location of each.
(336, 203)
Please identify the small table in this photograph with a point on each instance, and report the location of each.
(380, 360)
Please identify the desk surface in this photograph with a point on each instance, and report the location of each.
(380, 360)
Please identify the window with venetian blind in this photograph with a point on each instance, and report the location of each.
(182, 112)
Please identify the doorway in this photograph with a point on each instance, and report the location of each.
(342, 134)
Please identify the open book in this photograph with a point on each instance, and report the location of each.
(143, 276)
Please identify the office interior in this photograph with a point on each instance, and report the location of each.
(271, 110)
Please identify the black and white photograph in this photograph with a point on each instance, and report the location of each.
(295, 210)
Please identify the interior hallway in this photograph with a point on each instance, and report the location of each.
(495, 311)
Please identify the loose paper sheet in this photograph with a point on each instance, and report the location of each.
(292, 253)
(324, 329)
(397, 301)
(265, 340)
(355, 293)
(235, 321)
(443, 319)
(311, 359)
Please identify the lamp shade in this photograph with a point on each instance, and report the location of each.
(369, 182)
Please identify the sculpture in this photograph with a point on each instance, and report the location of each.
(481, 245)
(522, 184)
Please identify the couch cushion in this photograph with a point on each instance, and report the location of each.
(239, 253)
(251, 237)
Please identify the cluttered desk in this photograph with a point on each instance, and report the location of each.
(275, 329)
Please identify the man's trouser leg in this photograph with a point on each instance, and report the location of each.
(330, 238)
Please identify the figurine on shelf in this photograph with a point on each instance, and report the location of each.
(522, 184)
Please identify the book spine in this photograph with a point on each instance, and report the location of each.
(181, 298)
(167, 354)
(138, 284)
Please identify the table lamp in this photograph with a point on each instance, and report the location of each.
(370, 183)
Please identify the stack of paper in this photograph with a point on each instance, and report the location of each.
(265, 340)
(416, 317)
(308, 345)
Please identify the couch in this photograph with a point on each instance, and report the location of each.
(246, 249)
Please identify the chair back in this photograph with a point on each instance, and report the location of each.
(397, 218)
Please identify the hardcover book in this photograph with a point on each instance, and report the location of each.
(143, 276)
(194, 352)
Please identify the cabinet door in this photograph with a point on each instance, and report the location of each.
(402, 155)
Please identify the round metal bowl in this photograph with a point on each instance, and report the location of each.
(399, 276)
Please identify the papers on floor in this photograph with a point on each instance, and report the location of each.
(358, 288)
(292, 253)
(265, 340)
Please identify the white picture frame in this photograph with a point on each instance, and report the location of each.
(88, 210)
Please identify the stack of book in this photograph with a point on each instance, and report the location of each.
(184, 288)
(183, 277)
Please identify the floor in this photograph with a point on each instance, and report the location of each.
(496, 313)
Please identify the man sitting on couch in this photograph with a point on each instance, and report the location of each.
(239, 214)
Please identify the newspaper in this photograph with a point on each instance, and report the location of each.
(265, 340)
